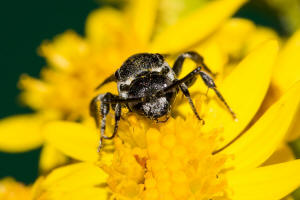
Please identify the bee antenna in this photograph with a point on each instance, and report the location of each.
(109, 79)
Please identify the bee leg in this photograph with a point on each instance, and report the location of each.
(186, 93)
(104, 110)
(99, 110)
(192, 75)
(211, 84)
(197, 58)
(117, 120)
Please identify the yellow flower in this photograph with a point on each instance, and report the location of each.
(183, 159)
(76, 65)
(179, 159)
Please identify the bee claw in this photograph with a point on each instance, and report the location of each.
(100, 146)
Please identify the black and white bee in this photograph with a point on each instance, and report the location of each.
(147, 85)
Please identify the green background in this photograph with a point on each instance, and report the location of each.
(25, 24)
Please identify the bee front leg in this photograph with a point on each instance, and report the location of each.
(99, 110)
(117, 120)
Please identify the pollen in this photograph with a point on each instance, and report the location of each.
(176, 163)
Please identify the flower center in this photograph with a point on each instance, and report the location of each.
(176, 163)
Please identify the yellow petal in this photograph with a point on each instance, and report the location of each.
(34, 92)
(261, 140)
(103, 26)
(195, 26)
(51, 158)
(287, 70)
(21, 133)
(214, 55)
(233, 35)
(283, 154)
(244, 90)
(73, 139)
(143, 13)
(258, 36)
(75, 176)
(12, 190)
(90, 193)
(64, 50)
(294, 132)
(265, 183)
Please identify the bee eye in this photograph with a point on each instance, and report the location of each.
(165, 70)
(124, 87)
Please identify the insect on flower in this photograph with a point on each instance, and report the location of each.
(147, 85)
